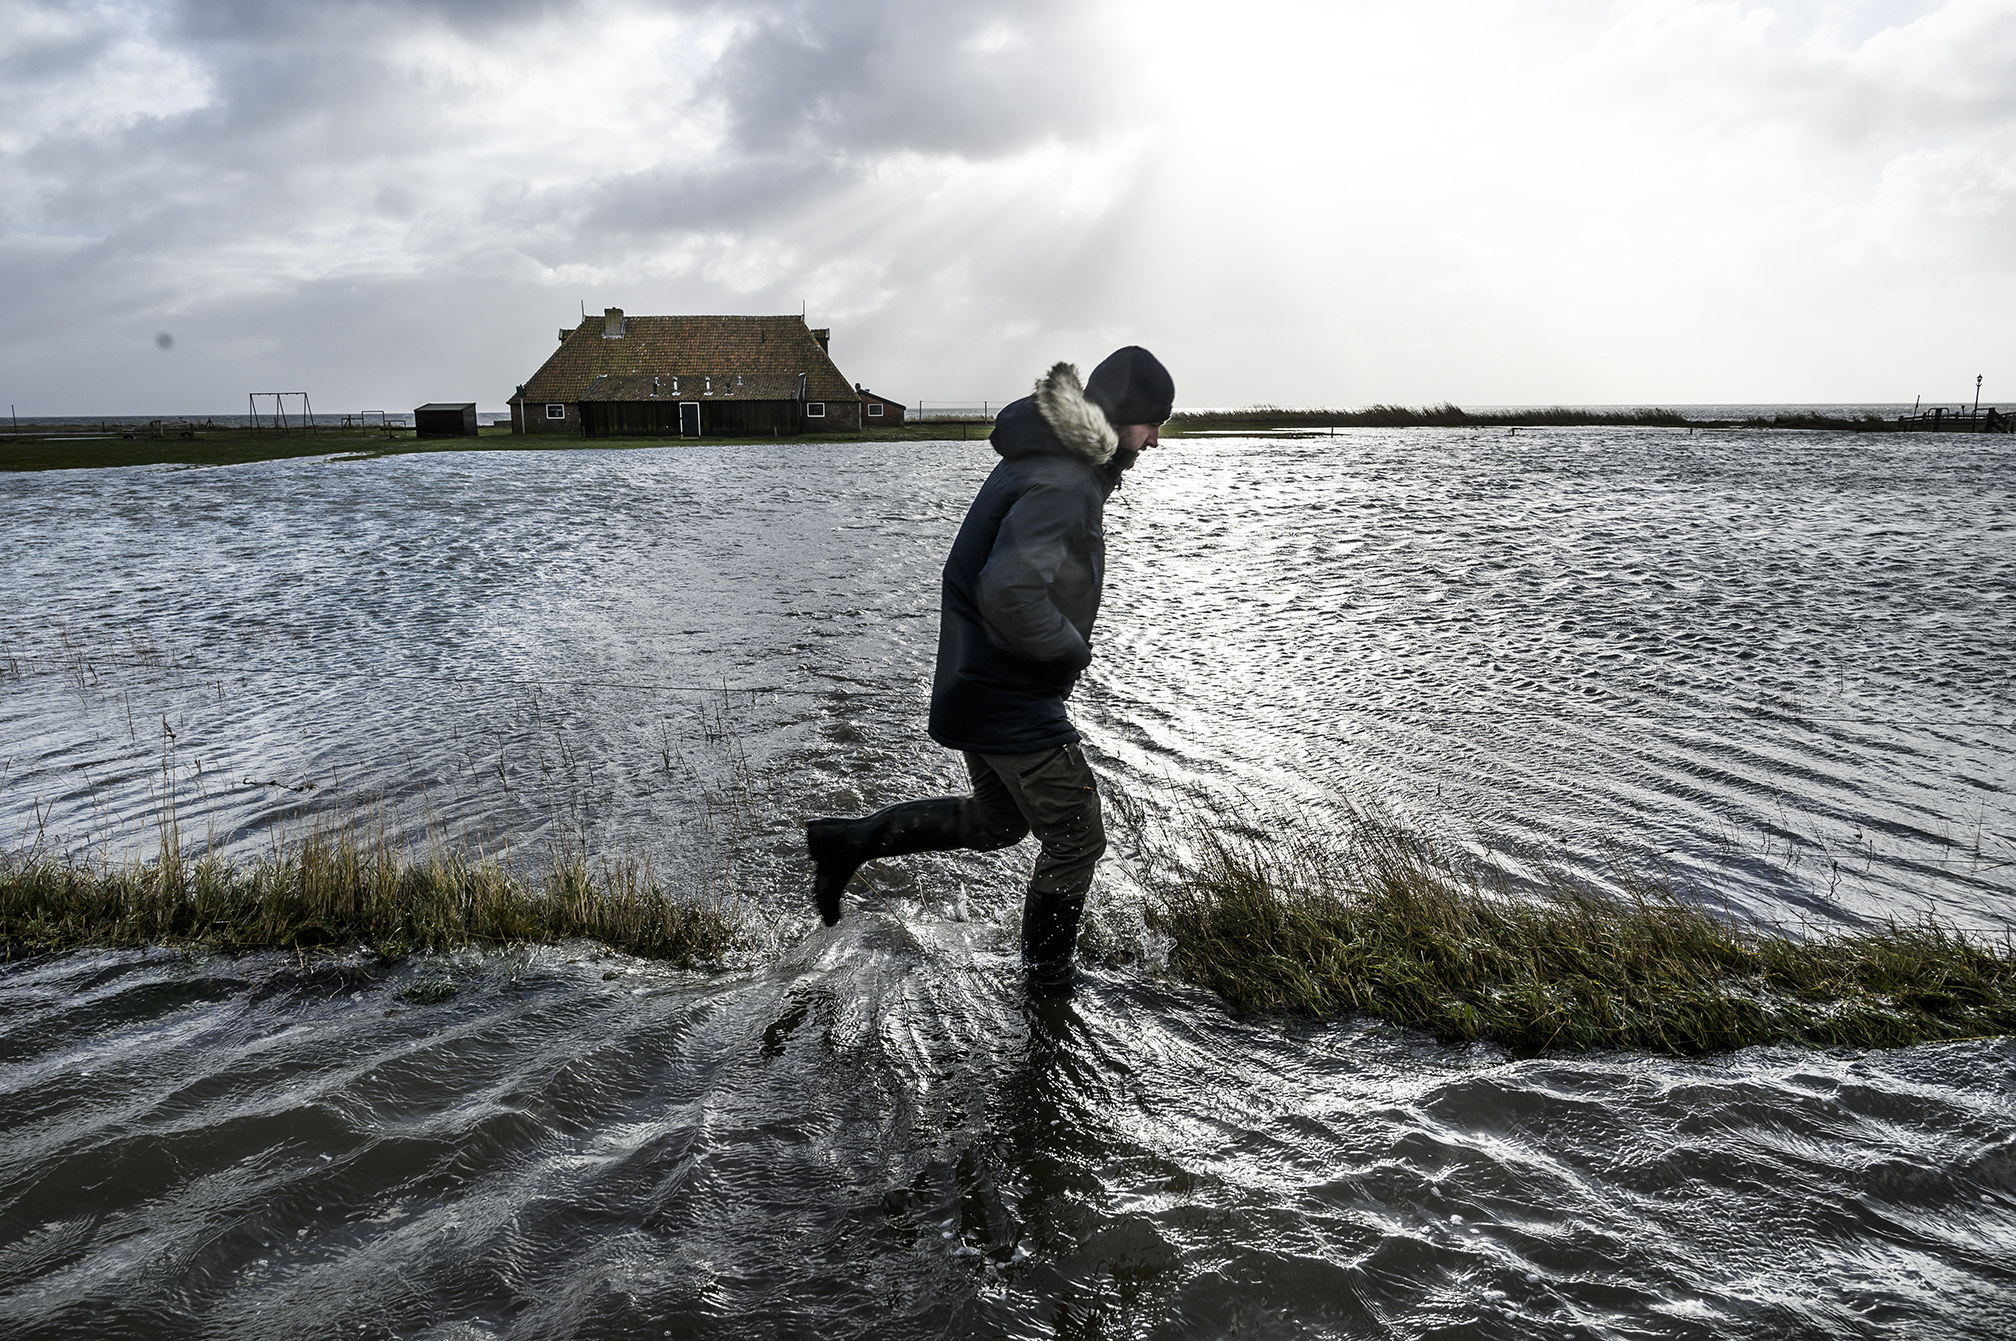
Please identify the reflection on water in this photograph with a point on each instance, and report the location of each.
(1771, 664)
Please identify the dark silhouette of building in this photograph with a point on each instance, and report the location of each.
(688, 377)
(445, 419)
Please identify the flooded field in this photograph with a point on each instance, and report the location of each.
(1775, 669)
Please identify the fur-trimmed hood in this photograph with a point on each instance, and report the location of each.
(1079, 424)
(1023, 580)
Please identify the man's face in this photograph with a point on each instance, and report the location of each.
(1133, 437)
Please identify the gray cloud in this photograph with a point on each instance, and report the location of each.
(738, 195)
(310, 144)
(966, 187)
(44, 59)
(252, 21)
(973, 78)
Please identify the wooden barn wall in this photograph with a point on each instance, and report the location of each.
(748, 418)
(718, 418)
(616, 418)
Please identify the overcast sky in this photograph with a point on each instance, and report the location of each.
(1489, 201)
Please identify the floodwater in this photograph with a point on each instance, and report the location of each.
(1774, 669)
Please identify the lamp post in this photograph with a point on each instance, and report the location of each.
(1977, 400)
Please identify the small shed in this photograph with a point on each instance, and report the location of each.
(446, 419)
(878, 411)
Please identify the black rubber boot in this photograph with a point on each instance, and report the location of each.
(1050, 940)
(841, 845)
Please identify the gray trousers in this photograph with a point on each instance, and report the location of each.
(1051, 794)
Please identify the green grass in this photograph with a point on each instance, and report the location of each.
(233, 446)
(236, 446)
(224, 447)
(341, 887)
(1369, 920)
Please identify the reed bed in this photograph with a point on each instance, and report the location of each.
(1371, 920)
(1264, 417)
(343, 886)
(1408, 416)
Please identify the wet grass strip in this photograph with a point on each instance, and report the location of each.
(337, 888)
(236, 446)
(1369, 921)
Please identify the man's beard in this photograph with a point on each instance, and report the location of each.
(1125, 457)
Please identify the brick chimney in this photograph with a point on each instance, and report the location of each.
(612, 323)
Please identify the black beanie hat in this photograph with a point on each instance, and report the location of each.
(1132, 387)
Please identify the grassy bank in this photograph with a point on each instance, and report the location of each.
(1367, 920)
(341, 888)
(219, 447)
(1370, 921)
(236, 446)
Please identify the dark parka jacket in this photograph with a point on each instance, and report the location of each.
(1022, 583)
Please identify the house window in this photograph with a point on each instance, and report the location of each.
(815, 409)
(874, 409)
(556, 411)
(710, 386)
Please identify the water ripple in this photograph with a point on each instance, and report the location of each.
(1772, 666)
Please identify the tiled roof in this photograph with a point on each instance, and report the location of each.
(769, 354)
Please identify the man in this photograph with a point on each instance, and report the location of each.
(1021, 590)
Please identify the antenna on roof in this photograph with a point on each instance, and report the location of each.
(801, 309)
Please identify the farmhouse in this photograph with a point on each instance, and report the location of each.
(879, 411)
(689, 377)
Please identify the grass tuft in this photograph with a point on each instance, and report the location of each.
(1370, 920)
(341, 887)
